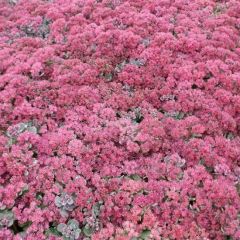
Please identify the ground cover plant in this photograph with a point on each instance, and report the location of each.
(120, 119)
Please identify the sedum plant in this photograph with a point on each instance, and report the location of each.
(6, 218)
(65, 203)
(70, 231)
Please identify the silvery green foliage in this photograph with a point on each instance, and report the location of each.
(176, 160)
(13, 2)
(120, 66)
(2, 206)
(96, 209)
(42, 31)
(94, 47)
(177, 115)
(19, 128)
(167, 97)
(181, 163)
(137, 62)
(6, 218)
(229, 136)
(28, 30)
(146, 42)
(108, 77)
(70, 231)
(138, 115)
(24, 190)
(129, 89)
(65, 203)
(14, 131)
(144, 235)
(93, 223)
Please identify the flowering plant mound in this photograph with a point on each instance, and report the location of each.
(120, 119)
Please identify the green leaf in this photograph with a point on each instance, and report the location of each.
(229, 136)
(135, 177)
(87, 231)
(108, 77)
(52, 231)
(49, 62)
(228, 237)
(180, 116)
(2, 208)
(32, 129)
(25, 225)
(96, 209)
(39, 195)
(73, 223)
(218, 9)
(145, 234)
(60, 227)
(238, 188)
(195, 135)
(23, 191)
(11, 141)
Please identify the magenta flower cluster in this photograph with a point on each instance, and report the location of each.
(120, 119)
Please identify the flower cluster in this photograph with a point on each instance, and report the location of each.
(120, 119)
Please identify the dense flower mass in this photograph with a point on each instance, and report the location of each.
(120, 119)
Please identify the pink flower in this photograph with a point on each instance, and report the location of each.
(36, 69)
(132, 108)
